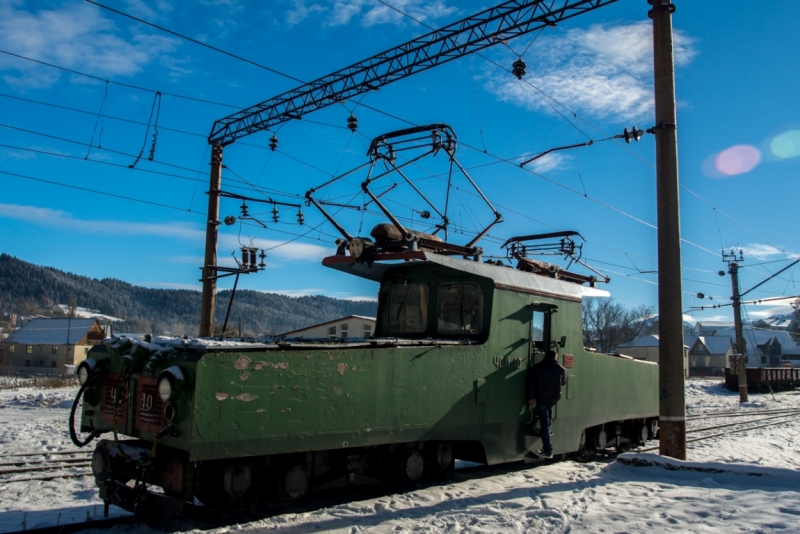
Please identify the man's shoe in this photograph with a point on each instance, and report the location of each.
(543, 455)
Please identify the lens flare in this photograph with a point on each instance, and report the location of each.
(737, 159)
(786, 145)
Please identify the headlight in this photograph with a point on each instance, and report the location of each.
(165, 389)
(85, 370)
(170, 381)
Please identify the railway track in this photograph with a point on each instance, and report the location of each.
(771, 418)
(763, 418)
(739, 413)
(39, 462)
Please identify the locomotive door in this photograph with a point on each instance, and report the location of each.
(541, 336)
(540, 333)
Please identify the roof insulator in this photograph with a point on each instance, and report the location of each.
(519, 68)
(352, 122)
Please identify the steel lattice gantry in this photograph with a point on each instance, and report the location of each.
(477, 32)
(489, 27)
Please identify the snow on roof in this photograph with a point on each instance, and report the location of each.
(51, 331)
(501, 275)
(340, 319)
(710, 325)
(755, 337)
(716, 344)
(646, 341)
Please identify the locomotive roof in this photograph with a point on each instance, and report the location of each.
(502, 276)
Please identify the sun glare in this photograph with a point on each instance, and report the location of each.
(737, 159)
(786, 145)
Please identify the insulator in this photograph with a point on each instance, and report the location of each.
(244, 257)
(425, 214)
(519, 68)
(230, 220)
(274, 213)
(244, 210)
(632, 135)
(300, 218)
(253, 257)
(263, 256)
(352, 122)
(390, 156)
(273, 142)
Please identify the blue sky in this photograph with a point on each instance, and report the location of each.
(738, 119)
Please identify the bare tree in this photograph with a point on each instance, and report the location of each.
(607, 324)
(72, 307)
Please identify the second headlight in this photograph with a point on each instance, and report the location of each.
(170, 381)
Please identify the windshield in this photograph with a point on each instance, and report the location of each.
(460, 308)
(408, 308)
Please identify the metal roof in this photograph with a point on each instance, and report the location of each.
(51, 331)
(503, 276)
(714, 344)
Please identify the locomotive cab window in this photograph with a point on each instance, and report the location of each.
(460, 308)
(540, 329)
(408, 308)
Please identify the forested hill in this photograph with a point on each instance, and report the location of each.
(30, 289)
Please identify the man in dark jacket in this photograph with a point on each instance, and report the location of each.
(543, 389)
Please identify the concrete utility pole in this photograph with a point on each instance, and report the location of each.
(672, 410)
(733, 270)
(209, 279)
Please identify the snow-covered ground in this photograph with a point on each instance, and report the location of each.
(746, 482)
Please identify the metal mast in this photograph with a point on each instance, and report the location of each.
(672, 410)
(489, 27)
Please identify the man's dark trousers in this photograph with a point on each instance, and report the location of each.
(545, 414)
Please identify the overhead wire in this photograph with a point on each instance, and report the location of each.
(105, 193)
(195, 41)
(121, 84)
(369, 107)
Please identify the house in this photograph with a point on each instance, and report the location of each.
(708, 355)
(646, 348)
(766, 348)
(49, 346)
(776, 322)
(711, 328)
(350, 326)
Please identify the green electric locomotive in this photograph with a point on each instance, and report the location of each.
(222, 424)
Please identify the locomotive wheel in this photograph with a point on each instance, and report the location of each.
(654, 429)
(600, 439)
(644, 433)
(295, 482)
(412, 466)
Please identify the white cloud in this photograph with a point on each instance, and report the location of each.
(191, 232)
(368, 12)
(292, 251)
(65, 221)
(300, 11)
(77, 36)
(420, 10)
(760, 251)
(549, 162)
(139, 9)
(605, 71)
